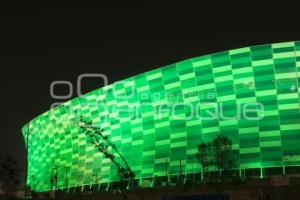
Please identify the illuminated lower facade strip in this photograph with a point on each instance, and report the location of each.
(157, 118)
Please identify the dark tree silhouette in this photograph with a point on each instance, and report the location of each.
(218, 155)
(205, 157)
(223, 154)
(102, 144)
(9, 175)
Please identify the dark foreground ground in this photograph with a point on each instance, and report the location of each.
(254, 189)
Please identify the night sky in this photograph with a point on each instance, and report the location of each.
(44, 43)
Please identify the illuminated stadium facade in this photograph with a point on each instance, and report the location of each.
(157, 119)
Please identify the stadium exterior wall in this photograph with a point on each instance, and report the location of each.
(157, 119)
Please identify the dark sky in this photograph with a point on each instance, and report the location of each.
(43, 43)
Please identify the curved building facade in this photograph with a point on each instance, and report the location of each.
(157, 119)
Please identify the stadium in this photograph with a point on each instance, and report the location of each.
(157, 119)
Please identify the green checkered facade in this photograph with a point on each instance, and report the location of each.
(158, 118)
